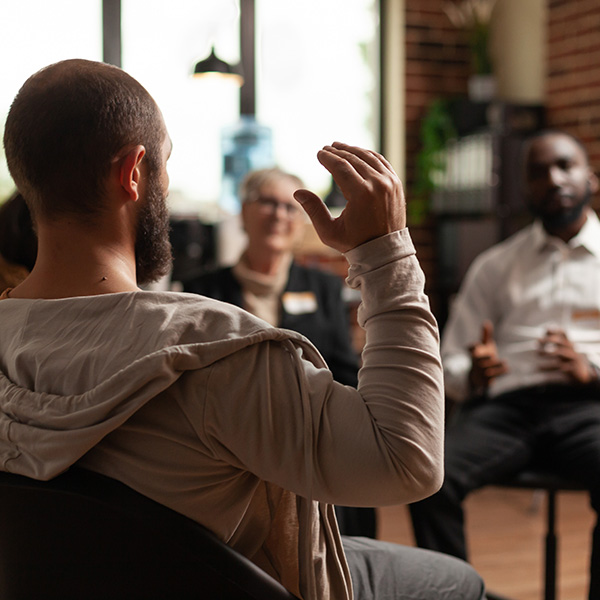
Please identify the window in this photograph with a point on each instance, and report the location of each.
(317, 75)
(37, 33)
(161, 42)
(317, 81)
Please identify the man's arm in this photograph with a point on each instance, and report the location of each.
(464, 337)
(381, 443)
(296, 427)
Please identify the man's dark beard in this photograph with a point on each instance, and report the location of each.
(153, 255)
(562, 218)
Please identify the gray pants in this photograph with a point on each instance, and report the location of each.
(386, 571)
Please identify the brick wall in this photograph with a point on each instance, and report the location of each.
(437, 66)
(573, 75)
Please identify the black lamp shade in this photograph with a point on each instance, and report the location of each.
(213, 65)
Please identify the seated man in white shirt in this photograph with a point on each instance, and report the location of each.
(522, 344)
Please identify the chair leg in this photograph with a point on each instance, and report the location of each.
(550, 571)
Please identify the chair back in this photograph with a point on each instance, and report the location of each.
(84, 535)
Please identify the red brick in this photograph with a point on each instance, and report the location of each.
(572, 10)
(582, 44)
(573, 83)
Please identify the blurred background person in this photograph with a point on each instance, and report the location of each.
(267, 282)
(18, 242)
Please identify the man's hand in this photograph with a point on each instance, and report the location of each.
(485, 362)
(558, 349)
(375, 199)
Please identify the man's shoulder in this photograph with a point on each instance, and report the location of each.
(184, 304)
(197, 318)
(219, 327)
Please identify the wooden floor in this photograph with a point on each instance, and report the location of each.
(506, 535)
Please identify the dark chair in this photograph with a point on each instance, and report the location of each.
(83, 535)
(550, 484)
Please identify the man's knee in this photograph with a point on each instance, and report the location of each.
(386, 570)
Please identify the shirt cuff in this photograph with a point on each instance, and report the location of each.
(378, 252)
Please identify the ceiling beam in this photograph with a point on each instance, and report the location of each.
(111, 32)
(247, 51)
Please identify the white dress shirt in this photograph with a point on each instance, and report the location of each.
(523, 285)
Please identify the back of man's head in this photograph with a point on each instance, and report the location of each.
(67, 124)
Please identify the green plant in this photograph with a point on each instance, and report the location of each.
(474, 17)
(437, 129)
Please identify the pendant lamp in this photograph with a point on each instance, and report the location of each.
(214, 66)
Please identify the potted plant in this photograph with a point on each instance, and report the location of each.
(475, 17)
(437, 129)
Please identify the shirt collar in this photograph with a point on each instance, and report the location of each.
(588, 236)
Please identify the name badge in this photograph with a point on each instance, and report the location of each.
(299, 303)
(591, 314)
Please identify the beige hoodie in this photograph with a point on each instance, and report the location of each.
(234, 423)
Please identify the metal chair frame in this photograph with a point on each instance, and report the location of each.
(551, 485)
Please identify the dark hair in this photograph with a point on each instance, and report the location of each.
(67, 124)
(18, 242)
(546, 132)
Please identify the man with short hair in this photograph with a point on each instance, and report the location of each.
(522, 345)
(198, 404)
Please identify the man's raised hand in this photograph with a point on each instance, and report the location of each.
(375, 198)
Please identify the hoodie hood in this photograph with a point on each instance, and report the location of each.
(73, 370)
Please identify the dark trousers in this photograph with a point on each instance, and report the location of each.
(557, 427)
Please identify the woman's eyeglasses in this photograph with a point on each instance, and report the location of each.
(270, 206)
